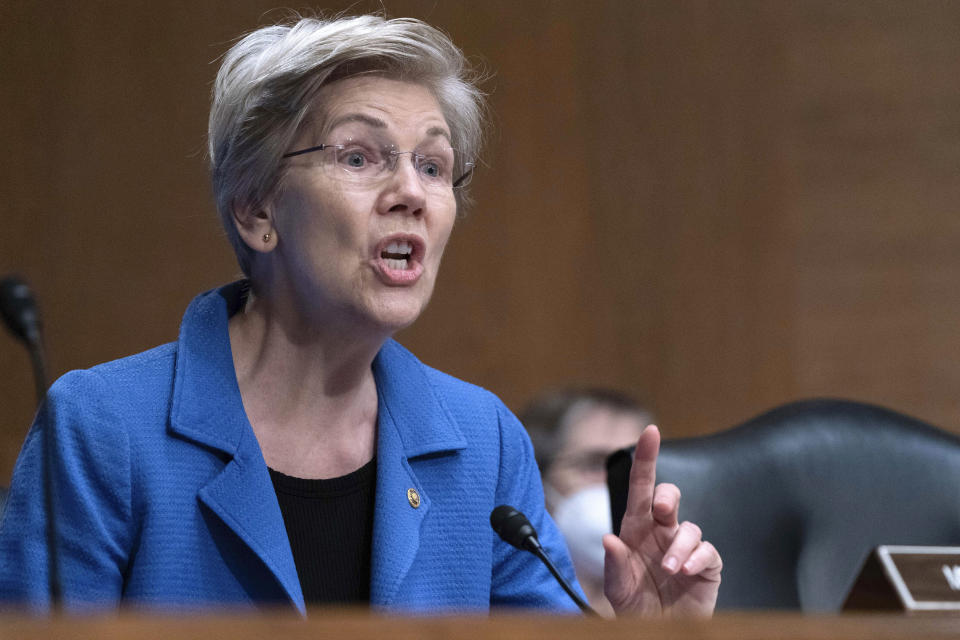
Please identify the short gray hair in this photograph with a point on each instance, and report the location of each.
(265, 88)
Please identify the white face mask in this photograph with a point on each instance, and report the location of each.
(583, 518)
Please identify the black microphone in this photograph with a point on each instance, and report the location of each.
(20, 314)
(514, 528)
(19, 310)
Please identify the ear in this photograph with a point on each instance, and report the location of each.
(255, 226)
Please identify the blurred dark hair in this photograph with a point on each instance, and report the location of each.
(548, 416)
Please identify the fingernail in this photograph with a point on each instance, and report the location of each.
(670, 563)
(688, 565)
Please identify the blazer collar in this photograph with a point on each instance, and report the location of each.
(206, 405)
(423, 422)
(208, 409)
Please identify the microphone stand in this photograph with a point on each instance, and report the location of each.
(35, 347)
(514, 529)
(545, 559)
(20, 314)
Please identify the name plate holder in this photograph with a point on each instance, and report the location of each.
(912, 579)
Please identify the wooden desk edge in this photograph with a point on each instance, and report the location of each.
(339, 623)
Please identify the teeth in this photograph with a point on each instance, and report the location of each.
(399, 247)
(396, 264)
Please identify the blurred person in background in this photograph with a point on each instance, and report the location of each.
(573, 431)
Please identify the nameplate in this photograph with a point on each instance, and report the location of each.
(912, 579)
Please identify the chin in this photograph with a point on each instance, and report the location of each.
(395, 315)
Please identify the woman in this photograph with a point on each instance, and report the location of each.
(285, 449)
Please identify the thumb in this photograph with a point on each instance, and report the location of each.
(616, 569)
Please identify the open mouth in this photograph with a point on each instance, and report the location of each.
(398, 255)
(399, 259)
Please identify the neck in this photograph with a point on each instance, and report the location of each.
(307, 388)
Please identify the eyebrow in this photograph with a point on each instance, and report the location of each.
(358, 117)
(377, 123)
(438, 131)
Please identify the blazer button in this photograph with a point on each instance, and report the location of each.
(413, 498)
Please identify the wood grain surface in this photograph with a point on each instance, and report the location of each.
(717, 206)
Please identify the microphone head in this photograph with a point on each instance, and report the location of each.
(514, 528)
(19, 310)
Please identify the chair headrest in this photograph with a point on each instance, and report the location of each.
(812, 486)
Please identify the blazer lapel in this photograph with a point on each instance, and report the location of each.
(207, 409)
(248, 505)
(412, 422)
(396, 527)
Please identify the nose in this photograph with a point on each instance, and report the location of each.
(404, 192)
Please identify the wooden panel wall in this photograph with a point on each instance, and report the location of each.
(718, 206)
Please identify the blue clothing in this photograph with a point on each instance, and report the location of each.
(165, 502)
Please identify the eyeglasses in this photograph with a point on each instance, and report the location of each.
(363, 162)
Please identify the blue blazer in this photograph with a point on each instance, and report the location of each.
(164, 499)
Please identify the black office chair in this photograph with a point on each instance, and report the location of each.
(795, 499)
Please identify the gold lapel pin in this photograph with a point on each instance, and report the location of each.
(413, 498)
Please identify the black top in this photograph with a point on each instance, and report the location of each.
(330, 526)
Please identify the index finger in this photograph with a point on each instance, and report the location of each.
(643, 473)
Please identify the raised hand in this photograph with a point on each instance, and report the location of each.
(658, 566)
